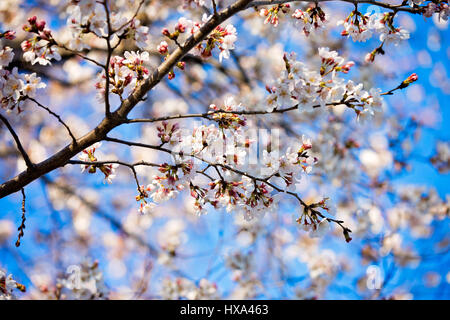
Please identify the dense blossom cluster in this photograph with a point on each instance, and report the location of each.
(124, 73)
(88, 156)
(361, 27)
(309, 20)
(272, 14)
(225, 147)
(311, 89)
(42, 47)
(439, 7)
(357, 26)
(15, 87)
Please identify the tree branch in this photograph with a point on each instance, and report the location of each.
(394, 7)
(56, 116)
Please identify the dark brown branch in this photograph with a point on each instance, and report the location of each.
(129, 165)
(18, 143)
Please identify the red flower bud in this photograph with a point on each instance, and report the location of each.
(32, 20)
(41, 25)
(181, 65)
(412, 78)
(166, 32)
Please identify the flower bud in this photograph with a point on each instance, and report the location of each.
(347, 235)
(32, 20)
(166, 32)
(346, 68)
(263, 12)
(163, 47)
(370, 57)
(10, 35)
(412, 78)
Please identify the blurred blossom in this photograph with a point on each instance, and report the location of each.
(6, 230)
(433, 40)
(416, 93)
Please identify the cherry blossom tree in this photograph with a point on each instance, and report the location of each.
(191, 149)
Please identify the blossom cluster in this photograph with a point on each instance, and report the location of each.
(311, 89)
(228, 119)
(15, 87)
(89, 16)
(309, 20)
(312, 19)
(272, 14)
(313, 221)
(222, 38)
(439, 7)
(8, 285)
(361, 27)
(357, 26)
(42, 47)
(225, 147)
(88, 156)
(124, 73)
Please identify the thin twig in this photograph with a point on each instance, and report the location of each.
(394, 7)
(22, 224)
(18, 143)
(56, 116)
